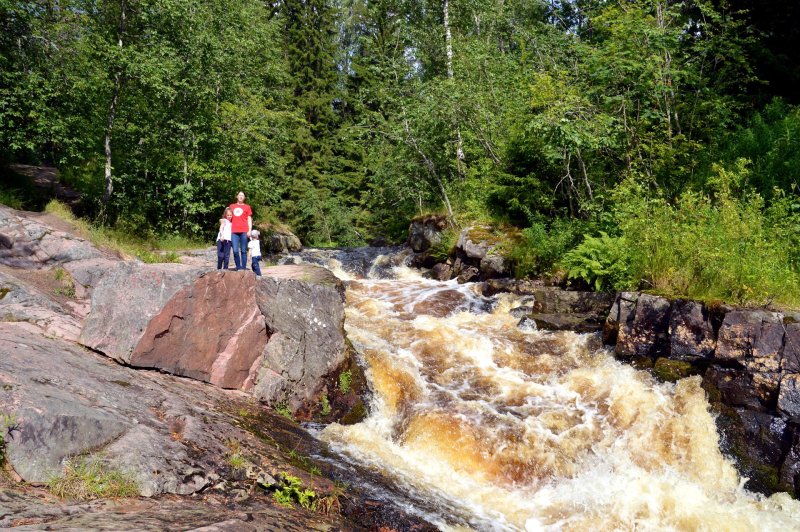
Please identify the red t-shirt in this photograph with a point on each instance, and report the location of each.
(239, 220)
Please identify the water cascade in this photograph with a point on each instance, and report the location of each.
(493, 427)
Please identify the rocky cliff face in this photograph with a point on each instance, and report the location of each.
(748, 359)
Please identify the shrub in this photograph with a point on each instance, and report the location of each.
(722, 244)
(540, 247)
(600, 261)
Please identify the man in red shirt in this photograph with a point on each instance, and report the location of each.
(241, 225)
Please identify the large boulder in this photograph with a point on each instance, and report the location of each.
(277, 239)
(303, 308)
(210, 330)
(117, 322)
(480, 246)
(426, 232)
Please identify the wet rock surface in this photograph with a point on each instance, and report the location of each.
(748, 360)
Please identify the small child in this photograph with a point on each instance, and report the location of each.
(254, 247)
(224, 239)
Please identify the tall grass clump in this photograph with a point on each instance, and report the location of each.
(720, 244)
(91, 478)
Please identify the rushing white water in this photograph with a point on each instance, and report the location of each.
(498, 428)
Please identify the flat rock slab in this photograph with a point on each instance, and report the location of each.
(67, 402)
(26, 242)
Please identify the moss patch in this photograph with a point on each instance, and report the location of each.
(673, 370)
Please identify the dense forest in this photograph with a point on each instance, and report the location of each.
(633, 144)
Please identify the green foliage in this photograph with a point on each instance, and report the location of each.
(722, 245)
(441, 251)
(234, 455)
(283, 409)
(92, 478)
(292, 491)
(325, 406)
(540, 247)
(6, 422)
(599, 261)
(345, 381)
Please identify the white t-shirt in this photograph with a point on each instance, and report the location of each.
(224, 230)
(254, 247)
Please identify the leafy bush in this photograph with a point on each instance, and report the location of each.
(723, 244)
(540, 248)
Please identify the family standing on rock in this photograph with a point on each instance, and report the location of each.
(235, 229)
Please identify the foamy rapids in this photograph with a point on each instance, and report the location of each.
(497, 428)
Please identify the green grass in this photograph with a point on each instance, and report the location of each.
(91, 478)
(234, 455)
(160, 249)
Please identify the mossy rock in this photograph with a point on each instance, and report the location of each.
(674, 370)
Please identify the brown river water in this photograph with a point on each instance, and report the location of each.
(493, 427)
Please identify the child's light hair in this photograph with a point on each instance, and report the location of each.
(254, 234)
(226, 211)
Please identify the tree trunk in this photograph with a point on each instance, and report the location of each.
(112, 111)
(448, 38)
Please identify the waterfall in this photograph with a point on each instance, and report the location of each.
(493, 427)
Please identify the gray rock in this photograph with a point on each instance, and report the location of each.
(468, 274)
(753, 338)
(30, 243)
(620, 316)
(644, 331)
(441, 272)
(789, 396)
(519, 312)
(554, 300)
(68, 402)
(790, 362)
(690, 331)
(21, 302)
(472, 246)
(425, 232)
(303, 307)
(115, 325)
(493, 265)
(567, 322)
(275, 240)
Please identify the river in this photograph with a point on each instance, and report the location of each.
(493, 427)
